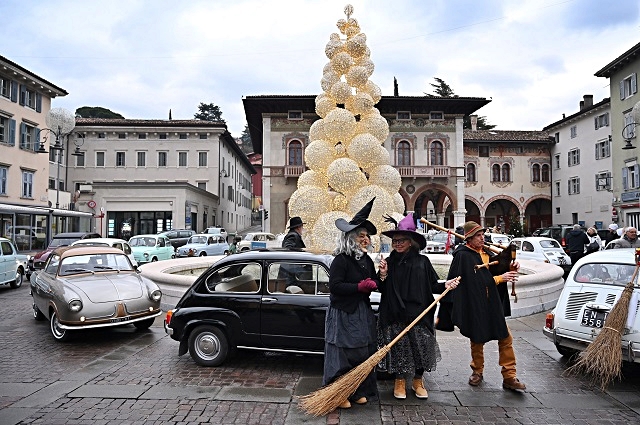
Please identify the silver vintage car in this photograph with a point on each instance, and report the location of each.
(92, 287)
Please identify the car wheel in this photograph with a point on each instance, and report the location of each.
(37, 314)
(202, 254)
(244, 250)
(58, 333)
(154, 259)
(28, 276)
(567, 352)
(144, 324)
(208, 345)
(17, 282)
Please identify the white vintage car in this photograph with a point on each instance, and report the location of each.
(590, 291)
(547, 250)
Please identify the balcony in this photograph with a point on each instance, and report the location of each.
(293, 171)
(416, 171)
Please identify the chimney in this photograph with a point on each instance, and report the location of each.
(474, 122)
(581, 105)
(588, 100)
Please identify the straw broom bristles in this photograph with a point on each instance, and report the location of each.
(602, 359)
(329, 397)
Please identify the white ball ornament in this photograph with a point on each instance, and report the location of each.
(316, 131)
(381, 206)
(356, 46)
(339, 125)
(372, 90)
(344, 175)
(333, 47)
(319, 155)
(398, 201)
(357, 76)
(309, 203)
(340, 91)
(313, 178)
(362, 148)
(325, 232)
(361, 103)
(386, 177)
(324, 106)
(374, 124)
(341, 62)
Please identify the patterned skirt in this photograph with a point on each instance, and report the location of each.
(418, 349)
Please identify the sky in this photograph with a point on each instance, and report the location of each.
(534, 59)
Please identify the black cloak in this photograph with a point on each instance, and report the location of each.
(475, 306)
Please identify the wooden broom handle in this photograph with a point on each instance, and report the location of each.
(490, 247)
(417, 319)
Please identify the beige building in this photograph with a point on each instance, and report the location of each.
(146, 176)
(425, 143)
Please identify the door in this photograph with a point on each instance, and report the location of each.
(294, 306)
(5, 261)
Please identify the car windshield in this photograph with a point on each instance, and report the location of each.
(61, 242)
(142, 242)
(614, 273)
(94, 263)
(249, 237)
(198, 239)
(550, 244)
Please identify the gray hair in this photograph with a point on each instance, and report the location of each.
(576, 227)
(347, 243)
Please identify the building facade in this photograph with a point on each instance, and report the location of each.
(622, 73)
(581, 165)
(147, 176)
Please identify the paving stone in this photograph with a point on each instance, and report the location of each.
(568, 401)
(14, 415)
(16, 389)
(109, 391)
(48, 394)
(166, 392)
(268, 395)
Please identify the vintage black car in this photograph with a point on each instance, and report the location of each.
(272, 300)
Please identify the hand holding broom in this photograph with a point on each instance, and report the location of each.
(329, 397)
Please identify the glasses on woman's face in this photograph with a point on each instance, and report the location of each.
(399, 241)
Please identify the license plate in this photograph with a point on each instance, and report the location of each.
(120, 319)
(594, 318)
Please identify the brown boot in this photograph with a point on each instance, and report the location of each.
(418, 387)
(513, 384)
(400, 389)
(475, 379)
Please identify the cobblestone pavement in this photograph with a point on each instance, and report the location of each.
(126, 376)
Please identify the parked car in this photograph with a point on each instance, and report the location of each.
(543, 249)
(12, 264)
(61, 239)
(92, 287)
(121, 244)
(178, 237)
(247, 300)
(497, 238)
(148, 248)
(589, 293)
(558, 233)
(264, 238)
(217, 231)
(202, 245)
(434, 247)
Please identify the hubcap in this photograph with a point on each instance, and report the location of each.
(208, 346)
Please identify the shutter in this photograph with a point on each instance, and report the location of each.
(38, 102)
(578, 185)
(597, 152)
(578, 157)
(609, 182)
(598, 187)
(14, 91)
(23, 94)
(12, 132)
(634, 83)
(606, 119)
(636, 176)
(569, 186)
(625, 177)
(23, 135)
(36, 145)
(622, 90)
(569, 159)
(595, 122)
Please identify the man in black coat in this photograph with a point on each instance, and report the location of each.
(576, 240)
(477, 306)
(293, 239)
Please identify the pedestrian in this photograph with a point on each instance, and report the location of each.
(629, 239)
(350, 326)
(407, 283)
(595, 243)
(576, 241)
(612, 234)
(293, 239)
(478, 308)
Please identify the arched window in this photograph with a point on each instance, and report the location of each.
(404, 153)
(295, 153)
(506, 173)
(546, 177)
(437, 154)
(495, 173)
(535, 173)
(471, 172)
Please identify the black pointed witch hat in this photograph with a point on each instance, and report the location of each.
(358, 220)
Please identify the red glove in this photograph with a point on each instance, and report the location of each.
(367, 285)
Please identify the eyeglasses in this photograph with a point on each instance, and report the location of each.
(398, 241)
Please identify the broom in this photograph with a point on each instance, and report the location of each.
(602, 359)
(329, 397)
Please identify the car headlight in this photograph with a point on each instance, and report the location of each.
(156, 295)
(146, 255)
(75, 305)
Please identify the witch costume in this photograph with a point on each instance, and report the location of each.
(407, 290)
(350, 327)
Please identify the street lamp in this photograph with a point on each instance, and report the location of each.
(628, 131)
(61, 123)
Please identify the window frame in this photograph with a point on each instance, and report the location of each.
(28, 177)
(121, 159)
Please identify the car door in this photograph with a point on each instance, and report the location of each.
(5, 257)
(165, 249)
(42, 284)
(294, 306)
